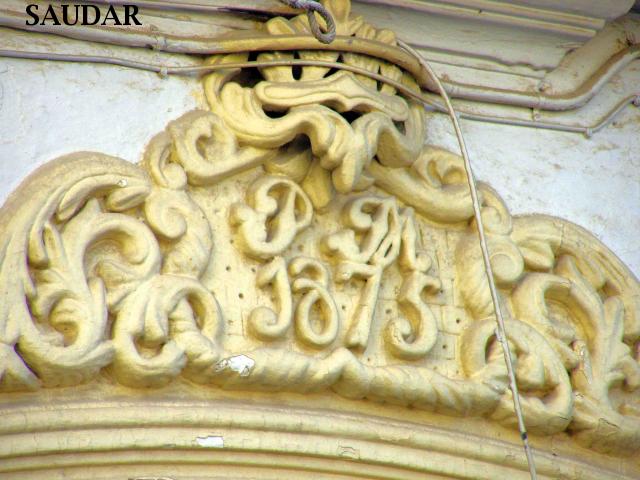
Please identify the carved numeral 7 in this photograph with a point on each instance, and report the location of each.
(358, 334)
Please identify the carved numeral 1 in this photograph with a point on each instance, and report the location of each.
(264, 323)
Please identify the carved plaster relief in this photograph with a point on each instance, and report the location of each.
(302, 224)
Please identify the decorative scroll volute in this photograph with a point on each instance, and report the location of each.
(315, 103)
(300, 237)
(167, 304)
(53, 272)
(567, 297)
(544, 384)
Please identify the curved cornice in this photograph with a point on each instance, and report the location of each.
(240, 439)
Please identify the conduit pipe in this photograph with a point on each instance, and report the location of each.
(231, 7)
(241, 43)
(542, 101)
(165, 70)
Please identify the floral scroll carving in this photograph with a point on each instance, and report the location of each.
(353, 246)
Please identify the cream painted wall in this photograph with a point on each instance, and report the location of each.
(47, 110)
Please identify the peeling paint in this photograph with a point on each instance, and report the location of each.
(212, 441)
(348, 452)
(240, 364)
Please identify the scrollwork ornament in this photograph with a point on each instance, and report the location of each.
(178, 322)
(55, 271)
(306, 180)
(544, 386)
(590, 341)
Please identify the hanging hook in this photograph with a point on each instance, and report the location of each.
(311, 6)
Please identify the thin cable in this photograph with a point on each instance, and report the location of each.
(502, 335)
(172, 6)
(311, 6)
(164, 5)
(165, 70)
(207, 45)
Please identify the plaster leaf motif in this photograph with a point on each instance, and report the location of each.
(302, 180)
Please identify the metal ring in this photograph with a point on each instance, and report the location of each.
(311, 6)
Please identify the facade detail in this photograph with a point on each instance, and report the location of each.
(299, 236)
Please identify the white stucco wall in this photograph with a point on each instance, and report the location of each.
(592, 182)
(50, 109)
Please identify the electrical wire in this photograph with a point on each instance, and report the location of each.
(501, 330)
(311, 6)
(165, 70)
(327, 37)
(172, 6)
(205, 45)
